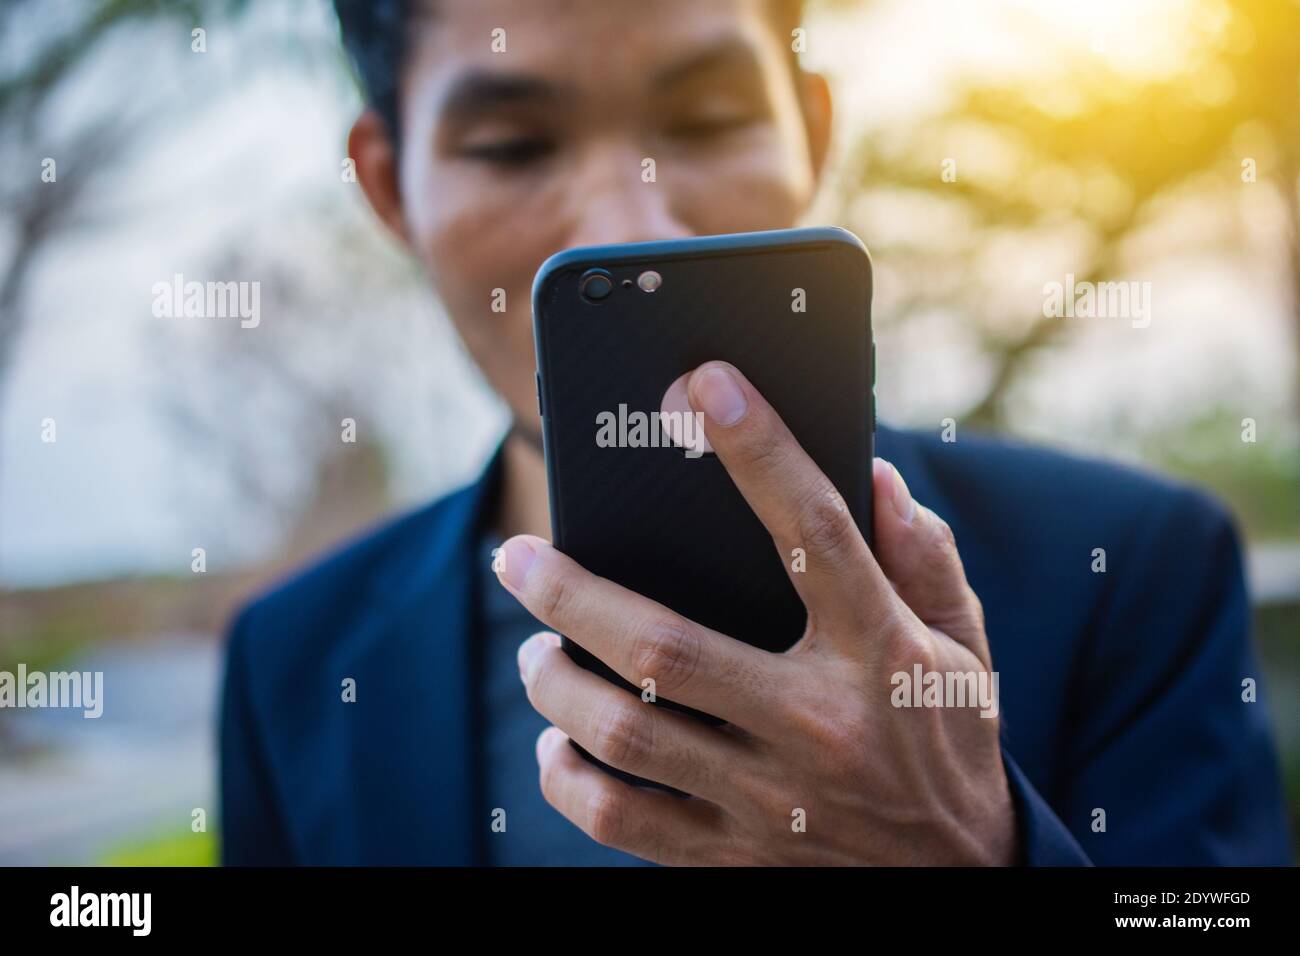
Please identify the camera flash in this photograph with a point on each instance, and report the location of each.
(649, 280)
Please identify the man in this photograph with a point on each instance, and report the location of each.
(375, 708)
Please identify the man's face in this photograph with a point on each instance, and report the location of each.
(508, 157)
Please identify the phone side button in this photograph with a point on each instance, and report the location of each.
(873, 386)
(537, 377)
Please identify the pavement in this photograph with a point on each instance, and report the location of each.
(72, 789)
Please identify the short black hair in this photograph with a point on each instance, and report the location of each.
(375, 33)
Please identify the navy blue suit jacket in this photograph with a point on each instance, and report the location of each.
(1120, 691)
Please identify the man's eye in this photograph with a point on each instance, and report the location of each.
(509, 152)
(709, 126)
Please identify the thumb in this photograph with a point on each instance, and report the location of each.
(917, 551)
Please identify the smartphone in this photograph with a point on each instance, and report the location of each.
(614, 327)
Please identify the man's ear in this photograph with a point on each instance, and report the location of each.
(815, 93)
(371, 147)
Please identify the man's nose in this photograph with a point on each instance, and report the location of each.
(616, 197)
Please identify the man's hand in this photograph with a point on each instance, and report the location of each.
(816, 764)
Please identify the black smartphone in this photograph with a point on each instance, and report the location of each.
(614, 327)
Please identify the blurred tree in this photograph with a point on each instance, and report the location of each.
(48, 51)
(1091, 151)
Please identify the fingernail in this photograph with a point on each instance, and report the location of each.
(720, 395)
(518, 556)
(903, 503)
(527, 651)
(546, 740)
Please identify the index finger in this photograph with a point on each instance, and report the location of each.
(639, 638)
(794, 499)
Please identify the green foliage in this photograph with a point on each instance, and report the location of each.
(1088, 152)
(46, 647)
(182, 848)
(1277, 636)
(1261, 480)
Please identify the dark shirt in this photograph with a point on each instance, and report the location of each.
(535, 833)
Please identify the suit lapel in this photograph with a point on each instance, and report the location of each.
(415, 753)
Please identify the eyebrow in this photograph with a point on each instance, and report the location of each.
(480, 91)
(731, 52)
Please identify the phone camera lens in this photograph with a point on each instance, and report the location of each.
(596, 284)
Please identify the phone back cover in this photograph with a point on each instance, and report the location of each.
(671, 527)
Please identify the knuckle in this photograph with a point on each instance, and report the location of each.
(835, 735)
(945, 542)
(759, 450)
(667, 651)
(904, 648)
(938, 554)
(920, 649)
(835, 723)
(624, 737)
(976, 607)
(606, 816)
(825, 525)
(555, 597)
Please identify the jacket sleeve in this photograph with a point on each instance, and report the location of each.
(1166, 761)
(1044, 840)
(252, 831)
